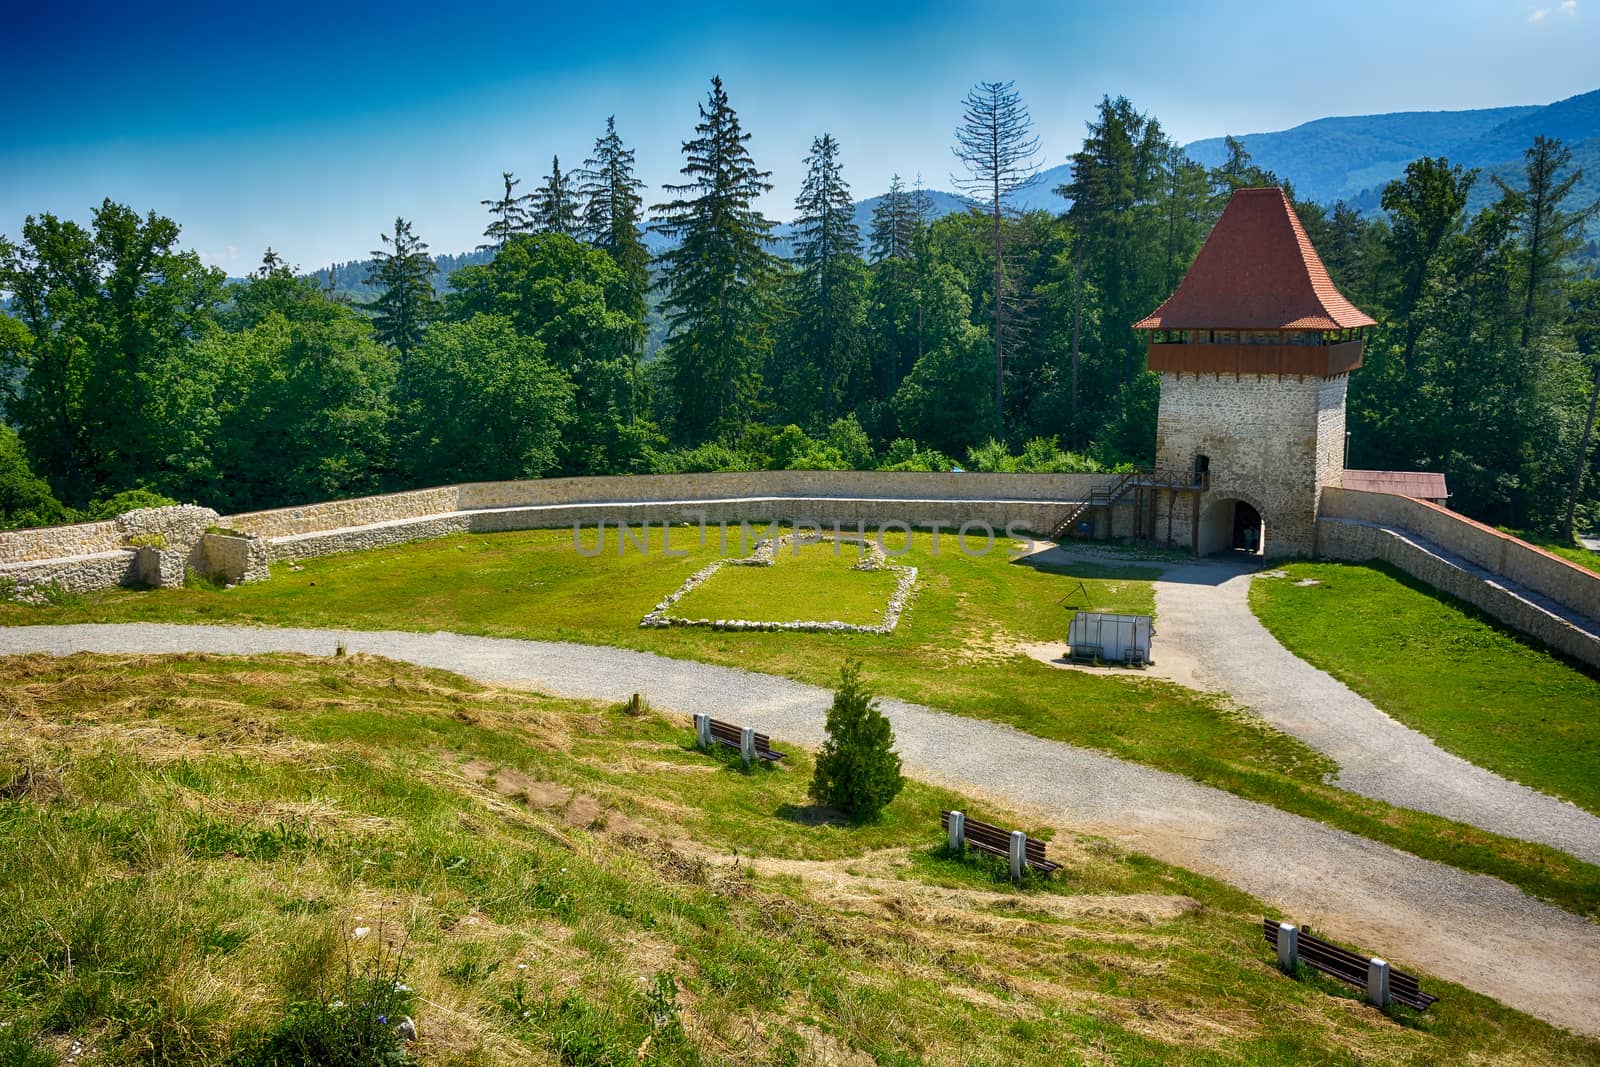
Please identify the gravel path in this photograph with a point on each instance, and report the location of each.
(1208, 638)
(1467, 928)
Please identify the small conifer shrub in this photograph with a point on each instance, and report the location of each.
(857, 771)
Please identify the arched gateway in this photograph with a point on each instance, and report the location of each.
(1253, 350)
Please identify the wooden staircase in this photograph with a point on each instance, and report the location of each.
(1101, 496)
(1108, 493)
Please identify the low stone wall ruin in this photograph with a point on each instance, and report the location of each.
(150, 547)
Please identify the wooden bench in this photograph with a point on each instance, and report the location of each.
(725, 733)
(997, 842)
(1363, 972)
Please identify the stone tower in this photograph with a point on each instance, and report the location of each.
(1254, 350)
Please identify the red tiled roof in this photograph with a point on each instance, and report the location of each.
(1420, 485)
(1257, 271)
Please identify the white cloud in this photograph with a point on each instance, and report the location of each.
(1569, 7)
(1540, 15)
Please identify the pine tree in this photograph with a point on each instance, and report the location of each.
(555, 208)
(272, 265)
(1238, 171)
(821, 377)
(894, 224)
(611, 215)
(996, 143)
(857, 769)
(1426, 209)
(897, 312)
(403, 269)
(1550, 233)
(508, 215)
(1117, 190)
(721, 277)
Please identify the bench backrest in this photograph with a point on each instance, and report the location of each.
(725, 731)
(992, 838)
(1351, 966)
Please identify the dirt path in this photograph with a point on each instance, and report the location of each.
(1467, 928)
(1210, 639)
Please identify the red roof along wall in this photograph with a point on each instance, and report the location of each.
(1257, 271)
(1419, 485)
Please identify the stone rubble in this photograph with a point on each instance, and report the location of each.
(765, 555)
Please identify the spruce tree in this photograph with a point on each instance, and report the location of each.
(821, 377)
(1550, 233)
(508, 214)
(894, 224)
(897, 306)
(857, 770)
(1118, 177)
(404, 271)
(720, 298)
(996, 143)
(555, 208)
(611, 216)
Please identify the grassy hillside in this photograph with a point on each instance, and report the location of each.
(1475, 687)
(210, 860)
(958, 647)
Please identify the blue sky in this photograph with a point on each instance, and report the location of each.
(310, 127)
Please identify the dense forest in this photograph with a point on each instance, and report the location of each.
(989, 339)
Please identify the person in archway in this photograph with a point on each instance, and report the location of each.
(1250, 539)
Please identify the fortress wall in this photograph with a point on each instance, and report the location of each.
(895, 486)
(97, 556)
(332, 514)
(1575, 587)
(723, 485)
(53, 542)
(72, 574)
(847, 512)
(1359, 541)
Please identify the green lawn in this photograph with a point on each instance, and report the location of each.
(190, 845)
(816, 583)
(1473, 686)
(956, 648)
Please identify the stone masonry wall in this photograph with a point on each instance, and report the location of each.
(848, 512)
(145, 547)
(54, 542)
(665, 489)
(1358, 541)
(1265, 438)
(1527, 565)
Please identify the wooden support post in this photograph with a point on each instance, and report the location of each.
(1019, 854)
(635, 704)
(1288, 947)
(1172, 503)
(1194, 523)
(702, 732)
(958, 831)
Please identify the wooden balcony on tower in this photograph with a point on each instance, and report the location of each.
(1300, 360)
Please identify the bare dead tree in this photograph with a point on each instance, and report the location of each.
(996, 144)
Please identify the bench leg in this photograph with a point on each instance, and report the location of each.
(747, 744)
(1288, 946)
(702, 732)
(958, 831)
(1019, 854)
(1378, 982)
